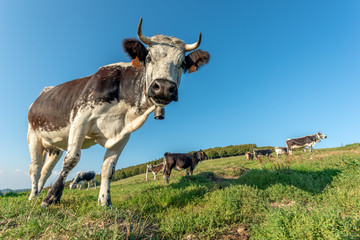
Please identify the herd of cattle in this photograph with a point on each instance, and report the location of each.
(189, 161)
(302, 142)
(106, 107)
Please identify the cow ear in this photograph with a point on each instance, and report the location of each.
(136, 51)
(195, 60)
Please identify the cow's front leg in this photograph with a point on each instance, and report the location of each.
(311, 148)
(50, 163)
(191, 171)
(154, 176)
(72, 157)
(108, 169)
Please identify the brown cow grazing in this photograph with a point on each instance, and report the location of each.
(181, 161)
(306, 141)
(154, 169)
(249, 156)
(105, 108)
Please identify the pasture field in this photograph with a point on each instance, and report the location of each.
(301, 197)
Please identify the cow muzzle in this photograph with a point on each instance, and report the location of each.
(163, 91)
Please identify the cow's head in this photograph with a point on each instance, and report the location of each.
(201, 155)
(321, 136)
(149, 166)
(164, 61)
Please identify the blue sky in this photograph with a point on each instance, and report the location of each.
(278, 70)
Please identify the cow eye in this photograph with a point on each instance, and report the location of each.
(148, 59)
(183, 65)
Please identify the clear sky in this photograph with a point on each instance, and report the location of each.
(278, 70)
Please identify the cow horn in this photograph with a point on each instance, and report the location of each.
(143, 38)
(190, 47)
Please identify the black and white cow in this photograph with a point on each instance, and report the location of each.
(81, 178)
(280, 151)
(180, 161)
(262, 152)
(154, 169)
(105, 108)
(306, 141)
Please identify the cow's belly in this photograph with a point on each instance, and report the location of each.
(305, 145)
(59, 139)
(55, 139)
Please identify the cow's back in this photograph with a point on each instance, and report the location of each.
(51, 110)
(178, 160)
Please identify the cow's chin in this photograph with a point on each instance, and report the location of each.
(161, 102)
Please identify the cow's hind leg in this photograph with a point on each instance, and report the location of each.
(72, 157)
(167, 172)
(108, 169)
(36, 154)
(50, 163)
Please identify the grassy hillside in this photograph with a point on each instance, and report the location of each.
(306, 196)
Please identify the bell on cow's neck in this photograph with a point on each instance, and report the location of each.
(159, 113)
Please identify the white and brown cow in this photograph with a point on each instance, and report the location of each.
(81, 178)
(180, 161)
(280, 151)
(105, 108)
(306, 141)
(154, 169)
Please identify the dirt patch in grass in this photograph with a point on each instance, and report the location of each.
(282, 204)
(237, 233)
(240, 233)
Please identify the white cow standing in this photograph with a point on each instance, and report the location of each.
(105, 108)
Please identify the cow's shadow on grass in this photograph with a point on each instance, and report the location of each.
(313, 182)
(193, 188)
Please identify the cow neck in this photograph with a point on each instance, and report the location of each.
(317, 138)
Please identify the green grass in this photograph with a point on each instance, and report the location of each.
(306, 196)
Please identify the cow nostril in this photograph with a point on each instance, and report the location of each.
(156, 87)
(172, 90)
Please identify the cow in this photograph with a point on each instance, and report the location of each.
(249, 156)
(262, 152)
(154, 169)
(180, 161)
(105, 108)
(81, 177)
(280, 151)
(306, 141)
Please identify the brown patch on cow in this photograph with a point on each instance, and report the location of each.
(195, 60)
(192, 69)
(52, 109)
(136, 63)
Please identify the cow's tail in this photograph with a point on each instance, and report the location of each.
(164, 162)
(166, 173)
(288, 147)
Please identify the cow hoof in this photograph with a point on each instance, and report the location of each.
(44, 205)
